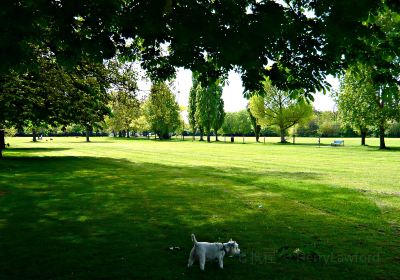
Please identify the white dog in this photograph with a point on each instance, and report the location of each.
(210, 251)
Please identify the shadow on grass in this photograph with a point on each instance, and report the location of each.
(388, 149)
(81, 218)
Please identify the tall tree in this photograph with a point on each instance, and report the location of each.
(207, 107)
(237, 123)
(162, 110)
(254, 123)
(278, 108)
(364, 102)
(125, 109)
(379, 66)
(193, 105)
(220, 115)
(354, 99)
(53, 95)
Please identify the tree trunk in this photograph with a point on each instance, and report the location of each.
(208, 138)
(163, 136)
(283, 140)
(127, 134)
(382, 137)
(257, 132)
(114, 133)
(87, 135)
(201, 134)
(363, 136)
(2, 142)
(216, 137)
(34, 139)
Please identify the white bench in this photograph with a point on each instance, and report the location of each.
(337, 143)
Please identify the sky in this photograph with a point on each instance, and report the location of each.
(233, 92)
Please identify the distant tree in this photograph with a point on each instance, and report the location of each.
(162, 110)
(207, 100)
(394, 129)
(329, 129)
(328, 124)
(88, 103)
(220, 116)
(192, 106)
(140, 124)
(125, 109)
(353, 101)
(229, 123)
(278, 108)
(52, 95)
(237, 123)
(309, 127)
(254, 123)
(364, 103)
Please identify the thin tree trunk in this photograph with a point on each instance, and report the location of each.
(163, 136)
(2, 142)
(382, 144)
(127, 134)
(283, 140)
(208, 137)
(87, 135)
(363, 136)
(216, 137)
(34, 139)
(257, 131)
(201, 134)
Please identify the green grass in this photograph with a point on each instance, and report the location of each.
(111, 208)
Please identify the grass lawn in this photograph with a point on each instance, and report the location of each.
(110, 209)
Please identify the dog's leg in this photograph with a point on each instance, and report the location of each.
(221, 262)
(202, 260)
(191, 257)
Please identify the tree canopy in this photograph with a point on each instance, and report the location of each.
(300, 41)
(54, 96)
(237, 123)
(278, 108)
(209, 107)
(162, 110)
(365, 103)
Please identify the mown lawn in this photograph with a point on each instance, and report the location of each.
(110, 209)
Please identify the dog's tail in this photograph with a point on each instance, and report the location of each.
(194, 238)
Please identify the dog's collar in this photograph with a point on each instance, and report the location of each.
(224, 249)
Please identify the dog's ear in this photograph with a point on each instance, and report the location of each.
(230, 240)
